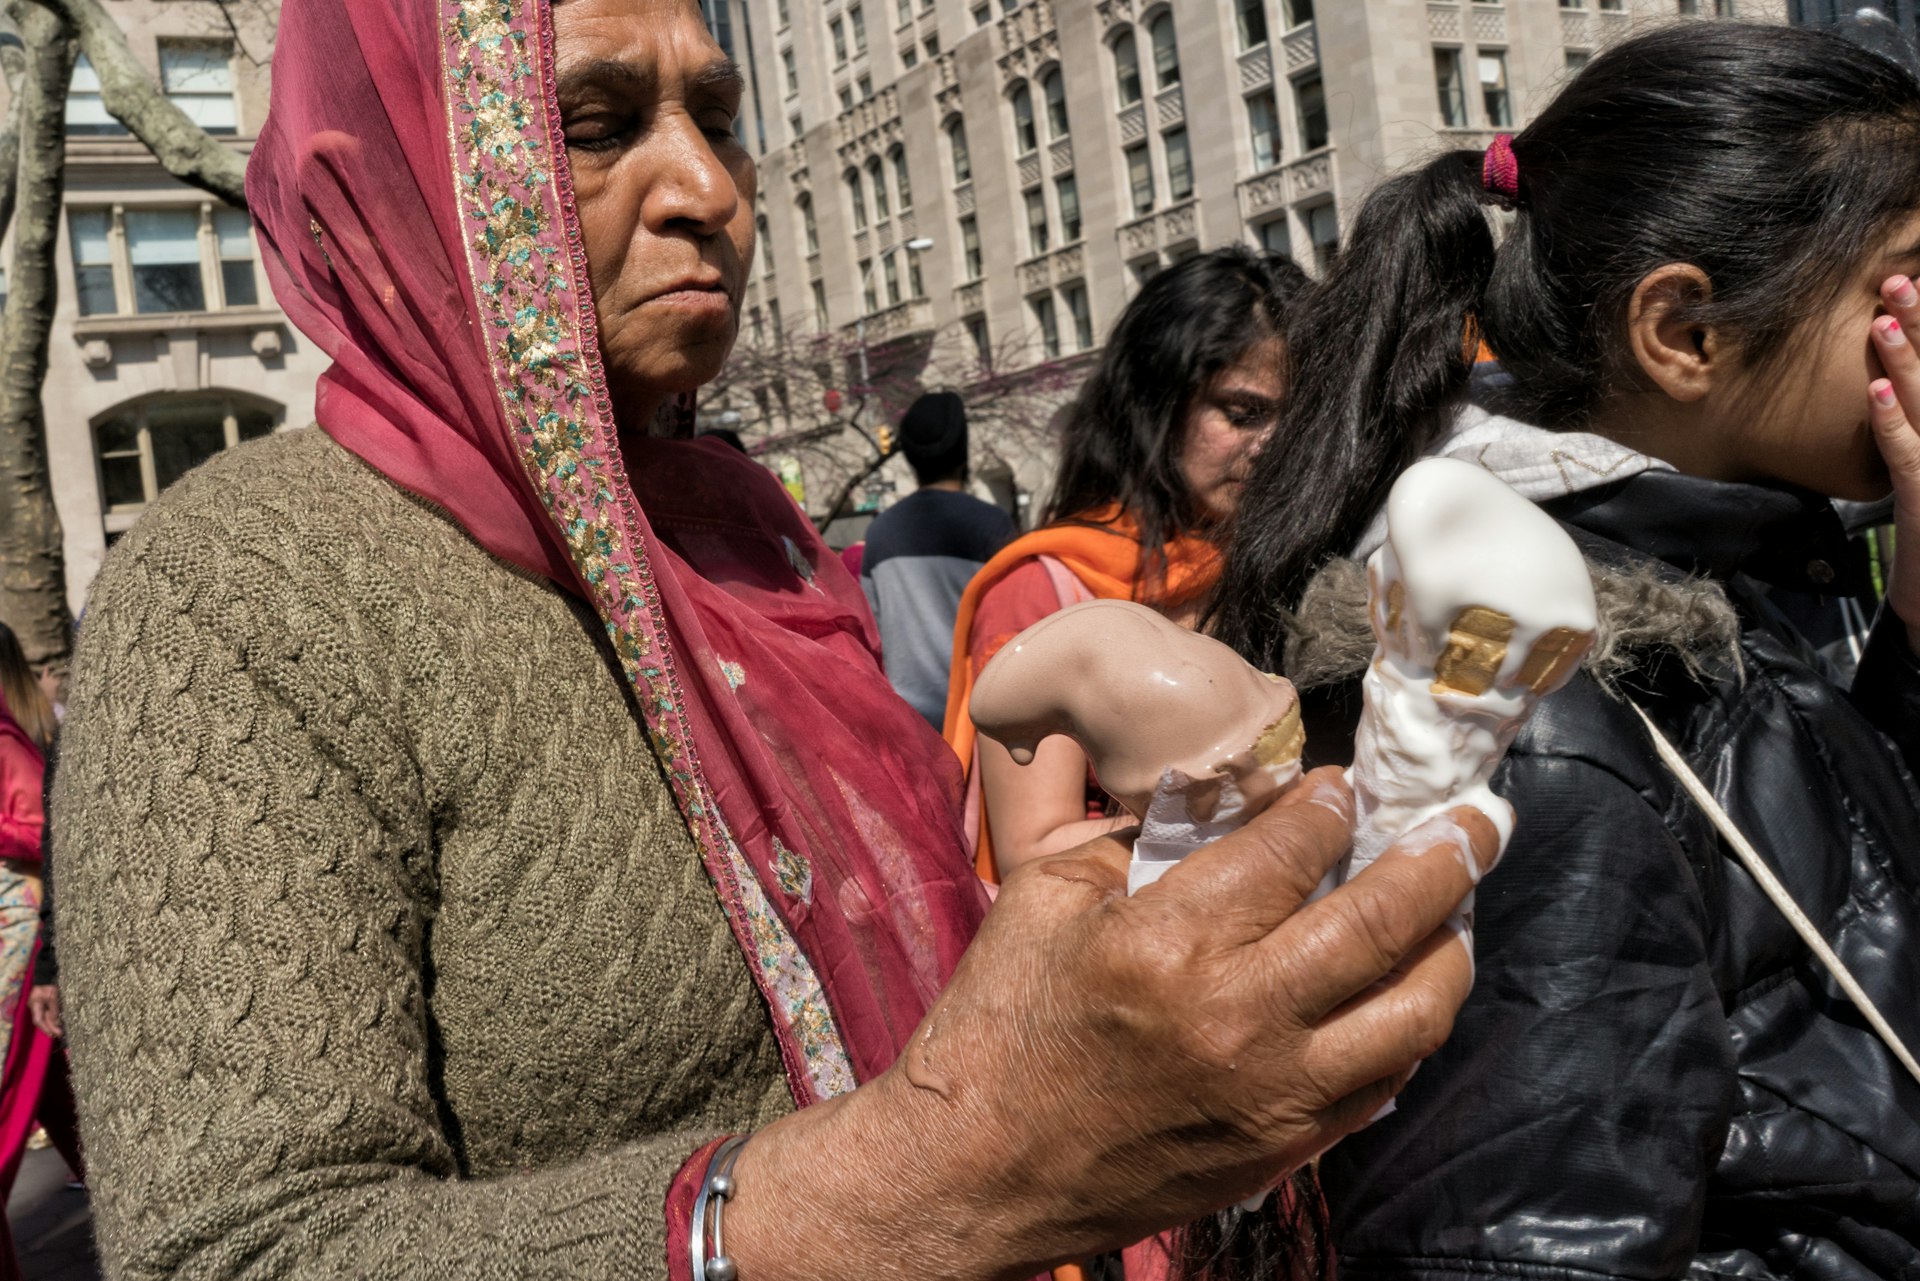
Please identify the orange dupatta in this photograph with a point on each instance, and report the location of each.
(1102, 549)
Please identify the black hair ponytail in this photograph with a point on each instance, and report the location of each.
(1776, 159)
(1380, 357)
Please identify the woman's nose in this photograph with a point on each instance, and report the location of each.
(689, 184)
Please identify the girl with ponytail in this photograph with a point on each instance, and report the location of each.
(1700, 309)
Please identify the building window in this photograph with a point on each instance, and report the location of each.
(957, 151)
(785, 11)
(197, 76)
(1144, 269)
(970, 246)
(877, 179)
(1140, 178)
(1054, 89)
(773, 318)
(858, 198)
(869, 289)
(916, 283)
(1573, 4)
(1179, 164)
(866, 86)
(1067, 195)
(1323, 233)
(1126, 69)
(1493, 89)
(902, 182)
(1043, 316)
(931, 45)
(839, 30)
(91, 234)
(1297, 11)
(1274, 237)
(1310, 96)
(86, 112)
(1612, 6)
(982, 343)
(1252, 15)
(764, 235)
(982, 15)
(1075, 296)
(846, 97)
(163, 247)
(145, 448)
(1451, 82)
(902, 12)
(1577, 59)
(1026, 135)
(1689, 7)
(1037, 230)
(909, 57)
(233, 235)
(1166, 52)
(820, 306)
(810, 230)
(790, 65)
(890, 271)
(858, 18)
(794, 129)
(1263, 123)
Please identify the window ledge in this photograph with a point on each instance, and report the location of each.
(166, 322)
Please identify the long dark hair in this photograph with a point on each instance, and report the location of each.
(1122, 435)
(1770, 157)
(20, 692)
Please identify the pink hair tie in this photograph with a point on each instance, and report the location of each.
(1500, 171)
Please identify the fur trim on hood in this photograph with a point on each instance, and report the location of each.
(1646, 614)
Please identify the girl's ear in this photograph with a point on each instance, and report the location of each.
(1676, 351)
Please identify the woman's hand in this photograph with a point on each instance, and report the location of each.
(1103, 1067)
(43, 1005)
(1895, 415)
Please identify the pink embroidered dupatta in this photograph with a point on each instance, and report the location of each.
(415, 208)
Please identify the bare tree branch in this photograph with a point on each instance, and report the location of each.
(13, 61)
(130, 95)
(33, 587)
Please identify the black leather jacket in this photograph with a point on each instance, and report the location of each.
(1653, 1077)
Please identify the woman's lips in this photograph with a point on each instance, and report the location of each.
(697, 301)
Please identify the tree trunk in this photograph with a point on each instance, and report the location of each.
(33, 577)
(13, 60)
(186, 150)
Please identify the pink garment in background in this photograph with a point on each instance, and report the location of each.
(415, 211)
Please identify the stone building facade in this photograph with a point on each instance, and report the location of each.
(1058, 152)
(166, 344)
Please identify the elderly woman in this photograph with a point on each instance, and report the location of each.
(475, 811)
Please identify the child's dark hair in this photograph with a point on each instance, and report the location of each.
(1772, 158)
(1122, 435)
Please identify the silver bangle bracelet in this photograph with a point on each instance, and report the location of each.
(713, 1264)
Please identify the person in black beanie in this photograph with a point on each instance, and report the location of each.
(922, 551)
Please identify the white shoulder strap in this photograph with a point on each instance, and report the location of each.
(1751, 860)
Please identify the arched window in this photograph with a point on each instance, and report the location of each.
(902, 181)
(146, 446)
(1053, 88)
(1026, 135)
(809, 228)
(1166, 53)
(957, 149)
(877, 179)
(1126, 69)
(859, 199)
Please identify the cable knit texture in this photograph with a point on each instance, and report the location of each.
(386, 953)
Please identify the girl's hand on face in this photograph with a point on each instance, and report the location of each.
(1896, 427)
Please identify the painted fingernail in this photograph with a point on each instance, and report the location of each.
(1889, 330)
(1883, 392)
(1901, 292)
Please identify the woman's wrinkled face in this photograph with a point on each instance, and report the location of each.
(1228, 420)
(663, 187)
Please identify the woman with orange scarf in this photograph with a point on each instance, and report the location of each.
(1156, 450)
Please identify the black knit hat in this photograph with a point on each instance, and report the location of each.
(933, 436)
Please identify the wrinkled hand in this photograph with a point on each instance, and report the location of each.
(43, 1004)
(1103, 1067)
(1896, 415)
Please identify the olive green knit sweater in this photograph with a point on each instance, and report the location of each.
(385, 951)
